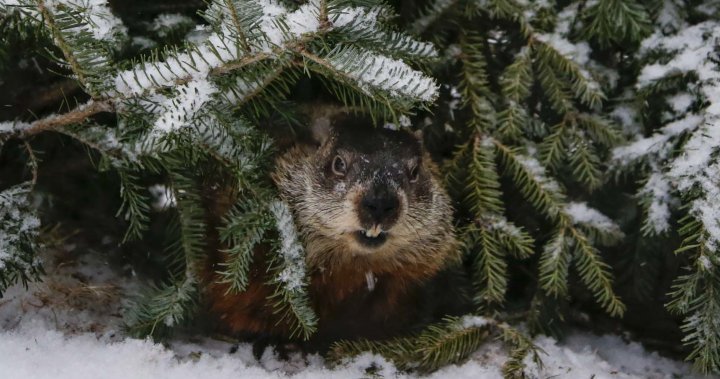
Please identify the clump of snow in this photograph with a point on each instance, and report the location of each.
(7, 127)
(627, 117)
(143, 42)
(472, 321)
(577, 52)
(581, 213)
(681, 102)
(498, 222)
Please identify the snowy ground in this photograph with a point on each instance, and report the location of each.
(69, 326)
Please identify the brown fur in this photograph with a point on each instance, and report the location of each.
(420, 244)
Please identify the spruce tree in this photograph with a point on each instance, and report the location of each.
(538, 110)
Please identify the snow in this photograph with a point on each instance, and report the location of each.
(537, 172)
(660, 143)
(103, 24)
(166, 22)
(581, 213)
(13, 126)
(293, 274)
(69, 327)
(18, 222)
(182, 110)
(376, 71)
(473, 322)
(657, 190)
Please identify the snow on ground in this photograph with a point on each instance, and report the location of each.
(70, 326)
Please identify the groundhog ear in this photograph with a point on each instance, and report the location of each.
(321, 130)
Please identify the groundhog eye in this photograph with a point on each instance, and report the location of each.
(338, 166)
(414, 174)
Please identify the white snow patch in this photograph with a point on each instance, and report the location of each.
(13, 126)
(657, 191)
(581, 213)
(468, 322)
(67, 327)
(165, 22)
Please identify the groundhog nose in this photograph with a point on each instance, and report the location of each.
(381, 205)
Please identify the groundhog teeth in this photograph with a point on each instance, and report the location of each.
(374, 232)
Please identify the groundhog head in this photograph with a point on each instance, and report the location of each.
(365, 190)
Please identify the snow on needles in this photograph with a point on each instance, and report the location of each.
(696, 166)
(293, 273)
(17, 222)
(581, 213)
(375, 71)
(103, 24)
(182, 109)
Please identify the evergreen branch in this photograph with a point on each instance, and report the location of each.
(612, 22)
(483, 186)
(555, 89)
(431, 14)
(517, 78)
(161, 309)
(522, 347)
(595, 273)
(584, 162)
(244, 228)
(134, 207)
(490, 268)
(529, 177)
(474, 85)
(362, 28)
(512, 122)
(290, 298)
(600, 130)
(401, 351)
(76, 116)
(19, 230)
(554, 265)
(553, 65)
(554, 147)
(376, 74)
(450, 341)
(83, 44)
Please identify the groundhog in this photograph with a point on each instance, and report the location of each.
(377, 229)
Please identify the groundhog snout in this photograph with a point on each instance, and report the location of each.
(379, 206)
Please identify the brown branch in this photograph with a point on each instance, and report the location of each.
(74, 116)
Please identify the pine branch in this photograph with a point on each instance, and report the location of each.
(19, 229)
(290, 298)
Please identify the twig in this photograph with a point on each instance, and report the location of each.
(76, 115)
(32, 162)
